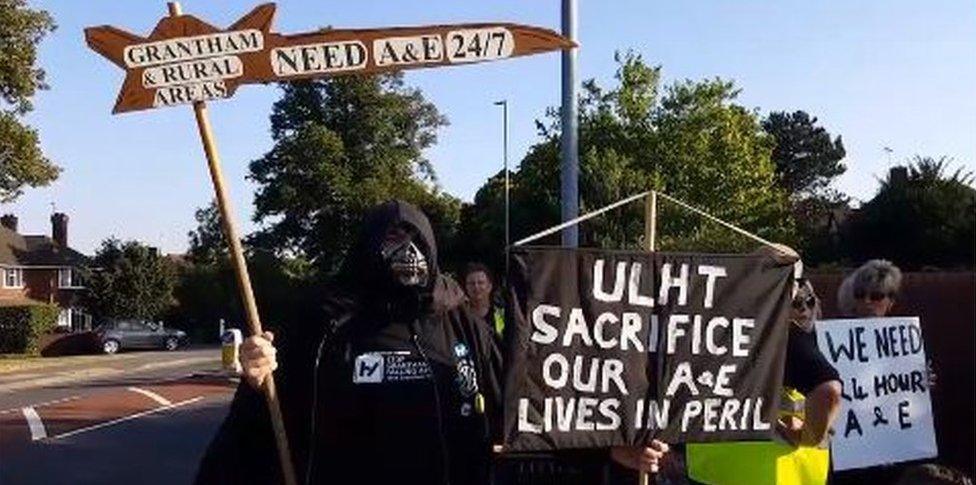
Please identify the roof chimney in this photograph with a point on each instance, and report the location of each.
(9, 221)
(59, 228)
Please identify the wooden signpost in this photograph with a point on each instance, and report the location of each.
(188, 61)
(185, 59)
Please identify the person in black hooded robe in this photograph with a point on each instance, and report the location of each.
(399, 383)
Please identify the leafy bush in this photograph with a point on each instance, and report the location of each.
(22, 326)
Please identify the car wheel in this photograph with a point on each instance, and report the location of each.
(172, 343)
(110, 346)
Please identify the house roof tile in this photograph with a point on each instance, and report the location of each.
(20, 250)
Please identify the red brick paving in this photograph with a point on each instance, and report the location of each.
(119, 402)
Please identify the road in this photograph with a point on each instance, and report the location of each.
(133, 418)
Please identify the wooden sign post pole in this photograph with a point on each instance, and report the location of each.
(240, 270)
(650, 221)
(650, 243)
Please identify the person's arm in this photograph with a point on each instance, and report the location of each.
(244, 448)
(808, 371)
(820, 410)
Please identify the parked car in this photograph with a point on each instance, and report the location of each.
(115, 335)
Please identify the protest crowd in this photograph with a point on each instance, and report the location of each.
(404, 381)
(402, 340)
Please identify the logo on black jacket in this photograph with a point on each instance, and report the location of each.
(368, 368)
(467, 376)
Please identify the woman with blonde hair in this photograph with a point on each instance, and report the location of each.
(870, 291)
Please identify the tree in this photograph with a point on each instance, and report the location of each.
(806, 157)
(921, 216)
(343, 145)
(22, 163)
(807, 160)
(207, 292)
(692, 142)
(207, 244)
(129, 280)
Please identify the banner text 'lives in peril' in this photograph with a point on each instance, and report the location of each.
(620, 347)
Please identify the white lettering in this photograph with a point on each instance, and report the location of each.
(740, 339)
(668, 282)
(711, 273)
(618, 283)
(544, 333)
(559, 380)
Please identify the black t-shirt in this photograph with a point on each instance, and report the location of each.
(806, 367)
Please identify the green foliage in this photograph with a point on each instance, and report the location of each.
(205, 294)
(819, 222)
(206, 289)
(343, 145)
(806, 157)
(692, 142)
(921, 216)
(207, 244)
(22, 326)
(129, 280)
(21, 161)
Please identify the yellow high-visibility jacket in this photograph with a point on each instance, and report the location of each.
(760, 462)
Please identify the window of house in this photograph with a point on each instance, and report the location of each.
(80, 320)
(13, 278)
(68, 278)
(64, 318)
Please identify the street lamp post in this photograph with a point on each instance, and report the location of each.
(569, 172)
(504, 105)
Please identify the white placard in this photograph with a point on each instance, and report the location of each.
(886, 412)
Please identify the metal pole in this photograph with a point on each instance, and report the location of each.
(504, 105)
(569, 174)
(240, 270)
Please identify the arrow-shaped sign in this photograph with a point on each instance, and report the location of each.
(185, 59)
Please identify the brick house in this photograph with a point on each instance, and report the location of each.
(42, 269)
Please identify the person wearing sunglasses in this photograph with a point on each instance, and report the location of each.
(871, 290)
(809, 405)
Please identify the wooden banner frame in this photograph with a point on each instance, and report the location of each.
(188, 61)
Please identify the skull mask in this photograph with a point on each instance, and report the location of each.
(405, 260)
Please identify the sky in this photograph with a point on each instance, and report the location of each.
(897, 74)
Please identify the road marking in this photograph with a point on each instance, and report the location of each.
(34, 422)
(125, 418)
(45, 403)
(152, 395)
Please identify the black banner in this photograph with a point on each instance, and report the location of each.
(620, 347)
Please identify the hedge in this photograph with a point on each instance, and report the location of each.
(22, 326)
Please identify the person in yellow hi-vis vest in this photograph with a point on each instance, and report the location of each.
(810, 402)
(479, 287)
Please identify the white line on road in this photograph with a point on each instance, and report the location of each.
(45, 403)
(151, 395)
(126, 418)
(34, 422)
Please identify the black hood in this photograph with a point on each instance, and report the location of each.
(365, 257)
(366, 276)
